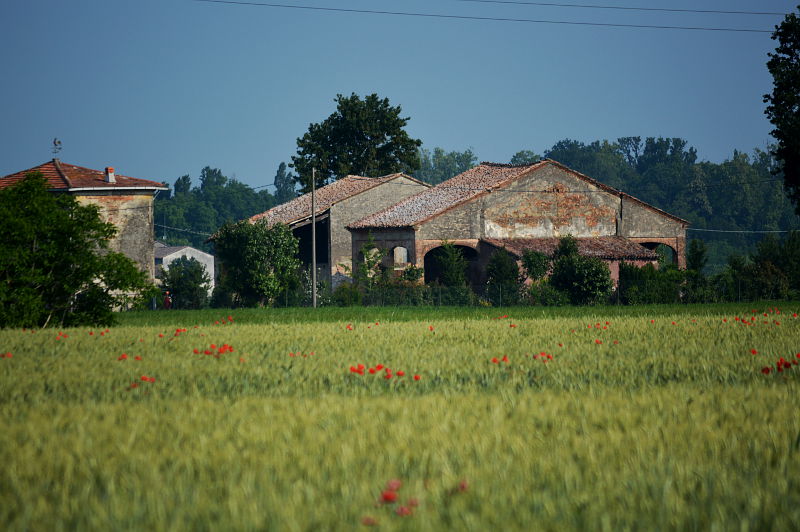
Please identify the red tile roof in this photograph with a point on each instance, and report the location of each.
(475, 182)
(602, 247)
(63, 176)
(300, 207)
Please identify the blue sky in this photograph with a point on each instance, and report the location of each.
(161, 88)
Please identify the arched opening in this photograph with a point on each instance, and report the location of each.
(667, 254)
(435, 258)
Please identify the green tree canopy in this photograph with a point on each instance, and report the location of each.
(187, 281)
(783, 108)
(362, 137)
(438, 166)
(56, 267)
(284, 185)
(258, 262)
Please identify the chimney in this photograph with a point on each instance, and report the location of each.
(110, 177)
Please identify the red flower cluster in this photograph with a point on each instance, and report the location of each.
(61, 335)
(496, 360)
(545, 357)
(387, 372)
(349, 327)
(6, 355)
(781, 365)
(143, 378)
(214, 350)
(179, 331)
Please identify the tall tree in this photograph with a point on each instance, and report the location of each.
(284, 185)
(784, 102)
(362, 137)
(438, 166)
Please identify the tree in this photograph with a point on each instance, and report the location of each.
(258, 262)
(187, 281)
(284, 185)
(363, 137)
(536, 264)
(452, 265)
(56, 267)
(585, 280)
(503, 279)
(783, 110)
(696, 255)
(438, 166)
(525, 157)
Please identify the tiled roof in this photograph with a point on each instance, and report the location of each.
(477, 181)
(602, 247)
(300, 207)
(434, 201)
(63, 176)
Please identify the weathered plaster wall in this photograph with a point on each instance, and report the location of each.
(562, 204)
(357, 207)
(132, 214)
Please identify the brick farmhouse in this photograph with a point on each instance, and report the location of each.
(494, 206)
(126, 202)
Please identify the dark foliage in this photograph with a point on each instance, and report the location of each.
(56, 267)
(188, 282)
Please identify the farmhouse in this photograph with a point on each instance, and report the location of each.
(338, 204)
(126, 202)
(493, 206)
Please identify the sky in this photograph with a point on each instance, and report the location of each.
(162, 88)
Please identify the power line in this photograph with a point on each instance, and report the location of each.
(740, 231)
(182, 230)
(624, 8)
(494, 19)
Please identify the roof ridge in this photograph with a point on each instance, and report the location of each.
(57, 164)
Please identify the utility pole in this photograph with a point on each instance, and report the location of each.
(314, 237)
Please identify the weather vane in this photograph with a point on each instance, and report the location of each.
(56, 146)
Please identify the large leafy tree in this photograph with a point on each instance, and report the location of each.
(784, 102)
(258, 261)
(56, 267)
(362, 137)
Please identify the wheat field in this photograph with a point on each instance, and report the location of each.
(650, 418)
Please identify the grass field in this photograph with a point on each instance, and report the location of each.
(612, 418)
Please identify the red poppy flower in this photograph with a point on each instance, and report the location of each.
(196, 351)
(389, 496)
(505, 359)
(753, 352)
(401, 373)
(349, 327)
(598, 341)
(495, 361)
(379, 367)
(417, 377)
(372, 371)
(369, 521)
(765, 370)
(403, 510)
(394, 484)
(137, 357)
(512, 325)
(430, 327)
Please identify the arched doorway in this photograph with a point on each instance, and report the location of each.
(668, 253)
(434, 259)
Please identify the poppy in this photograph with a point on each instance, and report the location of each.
(389, 496)
(417, 377)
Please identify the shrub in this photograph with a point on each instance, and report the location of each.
(187, 281)
(503, 279)
(585, 280)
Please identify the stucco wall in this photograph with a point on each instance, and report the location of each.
(357, 207)
(132, 214)
(550, 202)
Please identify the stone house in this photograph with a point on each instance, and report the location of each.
(164, 255)
(126, 202)
(520, 207)
(337, 205)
